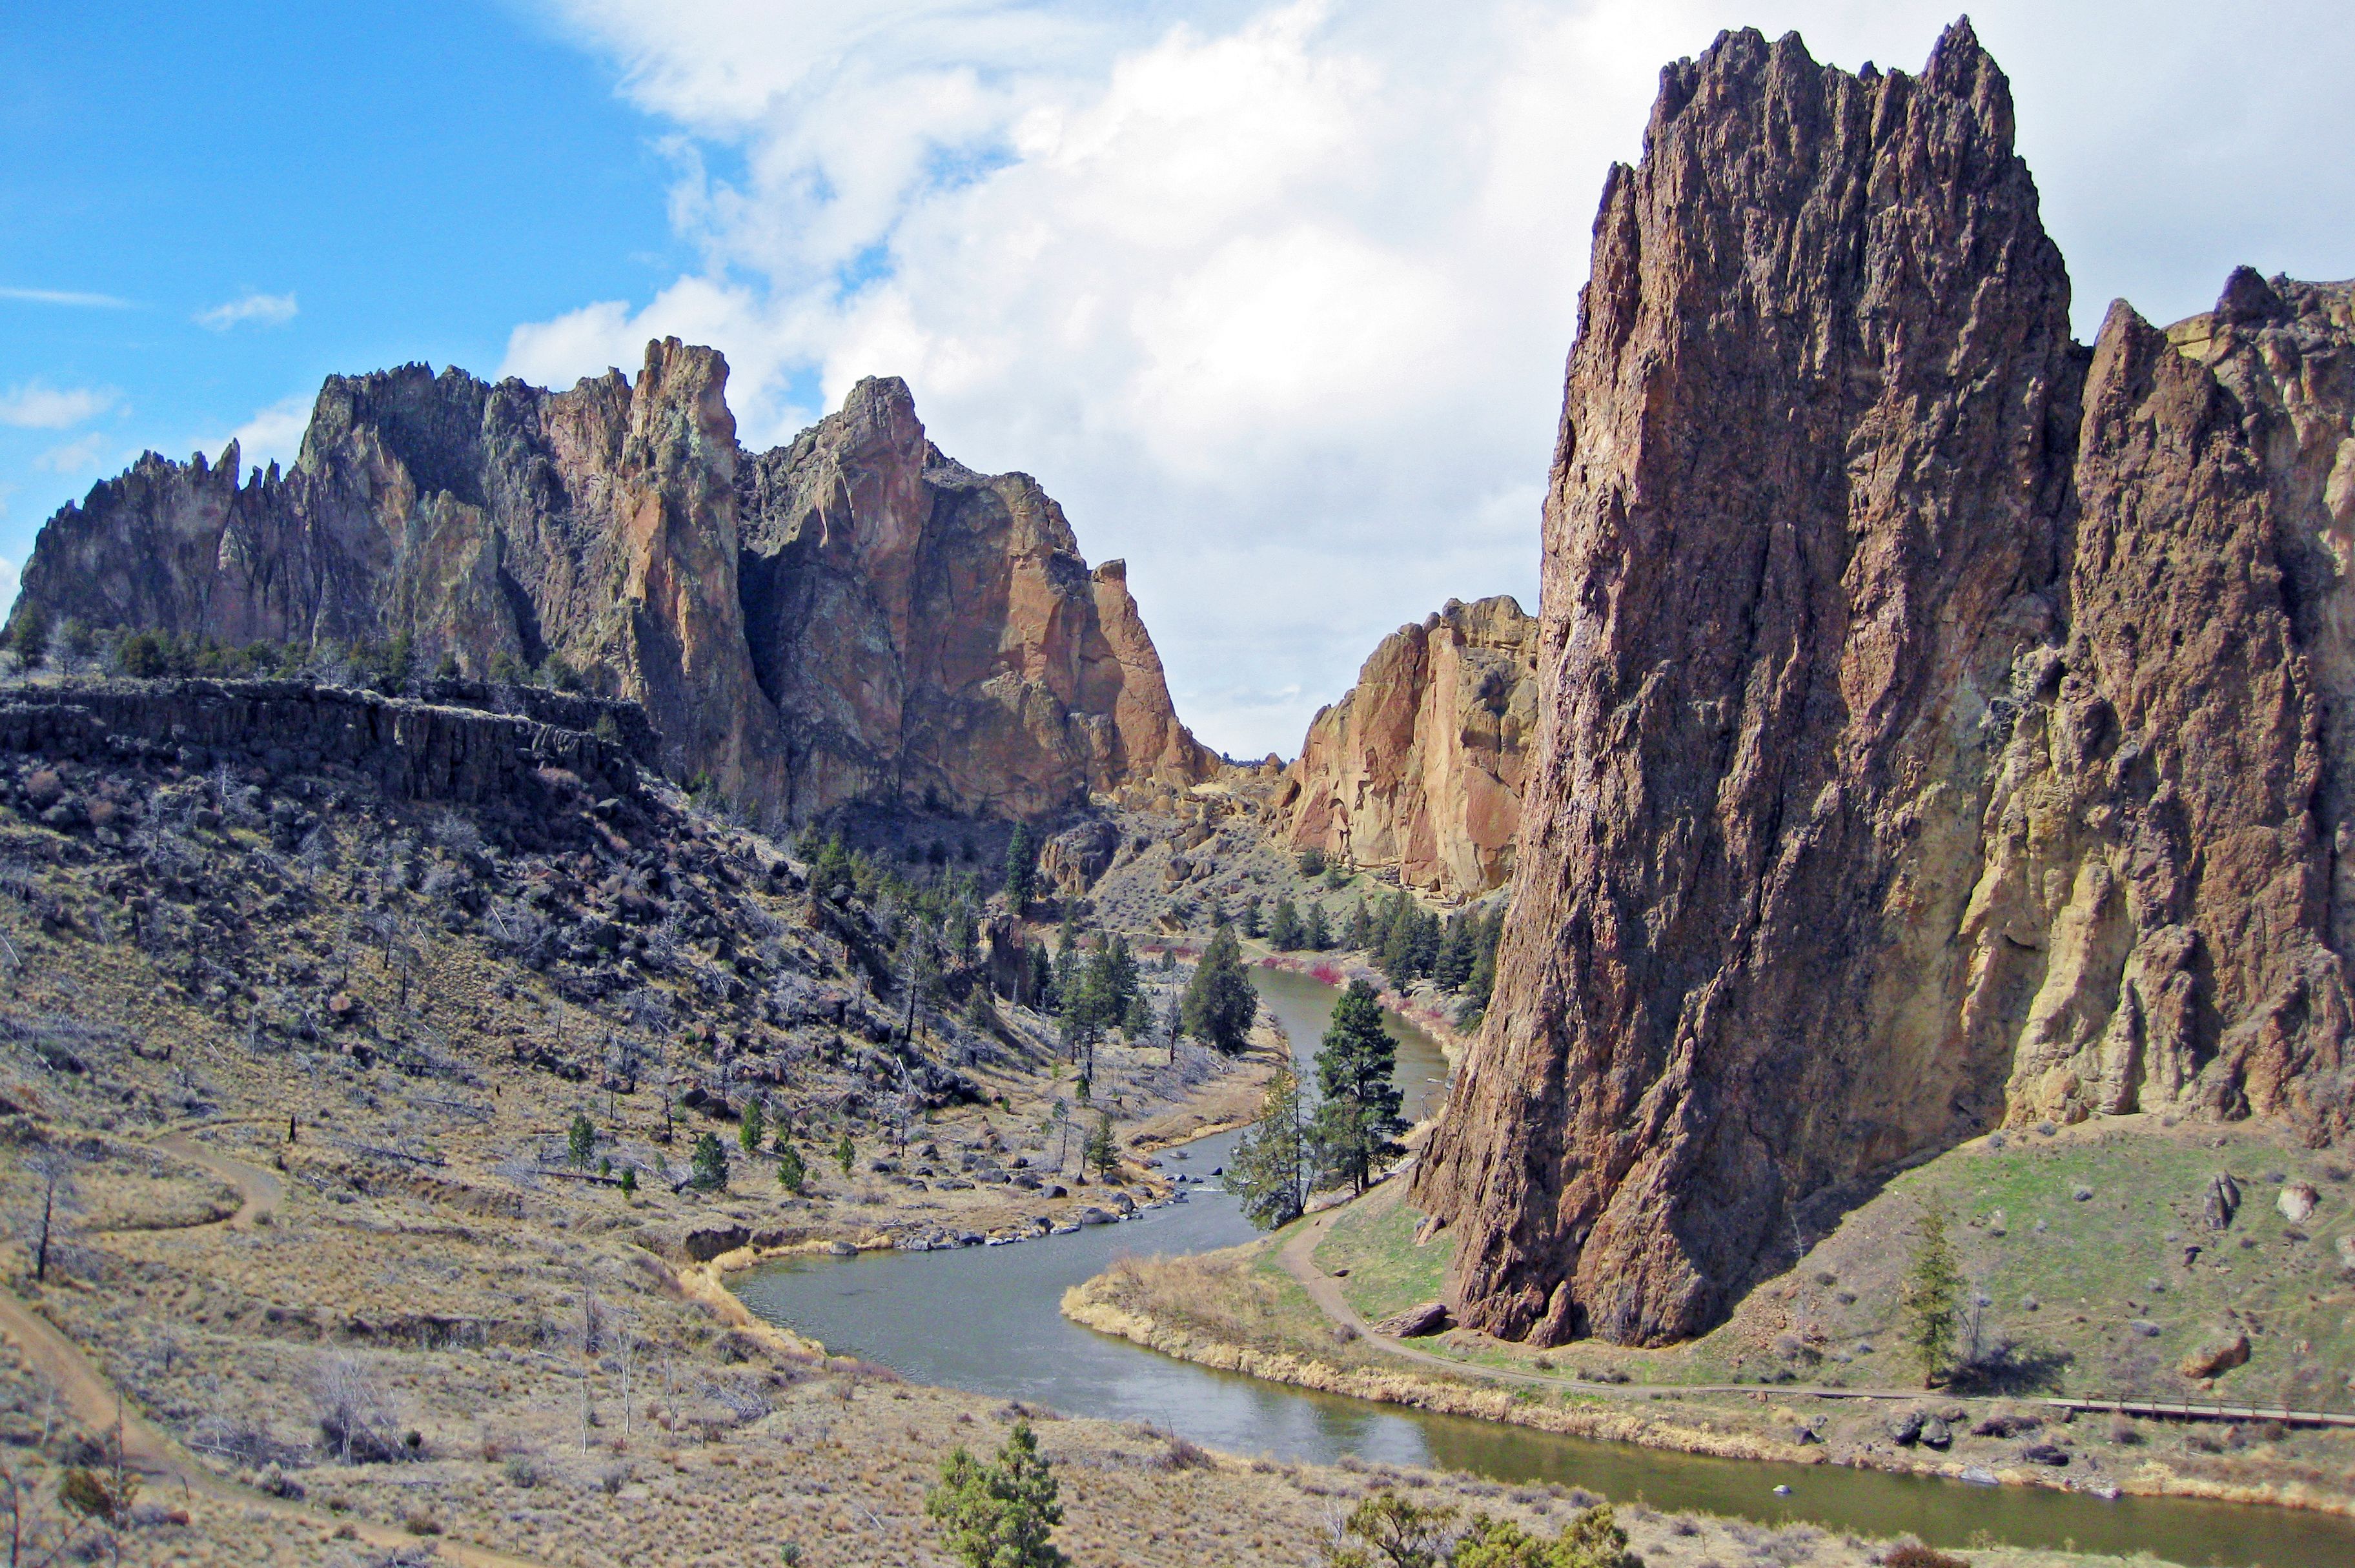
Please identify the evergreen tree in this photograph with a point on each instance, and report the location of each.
(1481, 978)
(1042, 981)
(629, 1180)
(792, 1174)
(1360, 1110)
(1312, 861)
(843, 1153)
(1120, 978)
(834, 874)
(1318, 934)
(999, 1514)
(1274, 1167)
(709, 1163)
(1456, 945)
(1021, 868)
(580, 1141)
(1220, 1003)
(752, 1128)
(1931, 1297)
(1252, 925)
(1101, 1154)
(1284, 927)
(1396, 954)
(1359, 935)
(1138, 1022)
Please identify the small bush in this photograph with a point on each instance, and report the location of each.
(1914, 1554)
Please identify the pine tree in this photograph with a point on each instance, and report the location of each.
(1021, 868)
(999, 1514)
(580, 1141)
(792, 1174)
(1102, 1155)
(1456, 945)
(1220, 1003)
(1274, 1167)
(1137, 1021)
(1355, 1063)
(1284, 926)
(1359, 935)
(1931, 1298)
(1318, 936)
(752, 1128)
(709, 1163)
(1252, 926)
(843, 1153)
(1043, 996)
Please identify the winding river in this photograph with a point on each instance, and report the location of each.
(984, 1318)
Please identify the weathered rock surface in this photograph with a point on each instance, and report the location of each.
(852, 617)
(1941, 724)
(1421, 766)
(410, 750)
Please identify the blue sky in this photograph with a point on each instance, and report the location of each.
(1273, 294)
(372, 195)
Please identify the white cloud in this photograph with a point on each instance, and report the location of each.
(65, 297)
(268, 310)
(8, 585)
(273, 435)
(1274, 294)
(35, 405)
(73, 457)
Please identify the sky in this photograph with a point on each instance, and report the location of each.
(1274, 297)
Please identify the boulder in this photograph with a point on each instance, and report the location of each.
(2220, 1353)
(2220, 1202)
(2297, 1202)
(1936, 1433)
(1904, 1430)
(1415, 1322)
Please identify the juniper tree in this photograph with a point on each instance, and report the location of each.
(1316, 934)
(1220, 1003)
(753, 1129)
(999, 1514)
(709, 1163)
(580, 1140)
(792, 1174)
(1021, 868)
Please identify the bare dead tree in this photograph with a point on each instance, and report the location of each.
(52, 1168)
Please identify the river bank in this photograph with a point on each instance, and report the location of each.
(1124, 1302)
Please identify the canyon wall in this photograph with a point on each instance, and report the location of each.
(853, 617)
(1419, 766)
(1941, 725)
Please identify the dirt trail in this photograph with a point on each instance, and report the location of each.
(99, 1406)
(1298, 1257)
(258, 1191)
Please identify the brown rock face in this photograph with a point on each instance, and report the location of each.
(1420, 766)
(853, 617)
(1937, 724)
(926, 630)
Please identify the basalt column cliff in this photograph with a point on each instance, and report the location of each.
(851, 618)
(1941, 724)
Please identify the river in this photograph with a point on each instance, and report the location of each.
(984, 1318)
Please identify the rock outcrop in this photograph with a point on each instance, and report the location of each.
(1419, 767)
(1940, 724)
(852, 617)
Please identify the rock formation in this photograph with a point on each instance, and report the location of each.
(852, 617)
(1940, 724)
(1419, 766)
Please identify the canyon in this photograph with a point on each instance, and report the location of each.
(1942, 725)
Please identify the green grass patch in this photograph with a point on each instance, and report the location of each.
(1374, 1239)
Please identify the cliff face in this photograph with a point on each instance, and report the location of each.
(933, 631)
(1420, 766)
(1939, 725)
(850, 618)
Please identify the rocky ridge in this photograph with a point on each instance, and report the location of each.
(1942, 725)
(851, 618)
(1419, 768)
